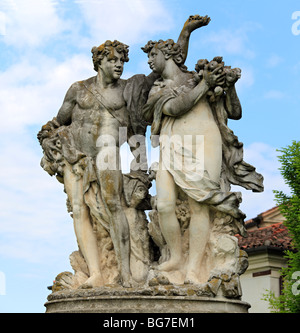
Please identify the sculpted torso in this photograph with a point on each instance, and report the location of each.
(199, 121)
(89, 118)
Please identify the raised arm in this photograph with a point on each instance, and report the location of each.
(64, 115)
(194, 22)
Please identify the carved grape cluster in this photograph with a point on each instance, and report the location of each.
(229, 76)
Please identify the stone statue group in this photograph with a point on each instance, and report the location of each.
(194, 217)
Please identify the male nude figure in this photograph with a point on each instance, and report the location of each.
(96, 108)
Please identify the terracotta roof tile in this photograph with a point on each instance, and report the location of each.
(275, 235)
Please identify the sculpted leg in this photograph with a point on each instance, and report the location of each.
(86, 238)
(198, 236)
(88, 244)
(199, 229)
(166, 201)
(111, 189)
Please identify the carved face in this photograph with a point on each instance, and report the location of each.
(138, 195)
(112, 65)
(156, 60)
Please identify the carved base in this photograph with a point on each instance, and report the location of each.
(91, 301)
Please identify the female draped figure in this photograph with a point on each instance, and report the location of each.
(199, 154)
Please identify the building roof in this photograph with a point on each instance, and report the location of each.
(267, 218)
(266, 231)
(275, 236)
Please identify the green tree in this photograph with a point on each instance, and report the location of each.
(289, 206)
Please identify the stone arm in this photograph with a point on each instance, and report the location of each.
(185, 101)
(232, 104)
(194, 22)
(64, 115)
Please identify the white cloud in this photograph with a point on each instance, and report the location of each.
(233, 42)
(32, 90)
(32, 22)
(129, 21)
(35, 225)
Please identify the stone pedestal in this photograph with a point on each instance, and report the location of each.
(93, 301)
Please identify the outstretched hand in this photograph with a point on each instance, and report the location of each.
(196, 21)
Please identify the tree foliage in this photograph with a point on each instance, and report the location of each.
(289, 205)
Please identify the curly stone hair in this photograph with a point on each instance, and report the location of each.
(168, 48)
(106, 49)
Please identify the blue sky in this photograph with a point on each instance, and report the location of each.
(45, 47)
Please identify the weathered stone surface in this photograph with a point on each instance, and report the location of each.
(188, 250)
(144, 300)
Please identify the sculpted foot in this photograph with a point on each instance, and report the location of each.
(191, 278)
(127, 284)
(169, 265)
(93, 281)
(127, 281)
